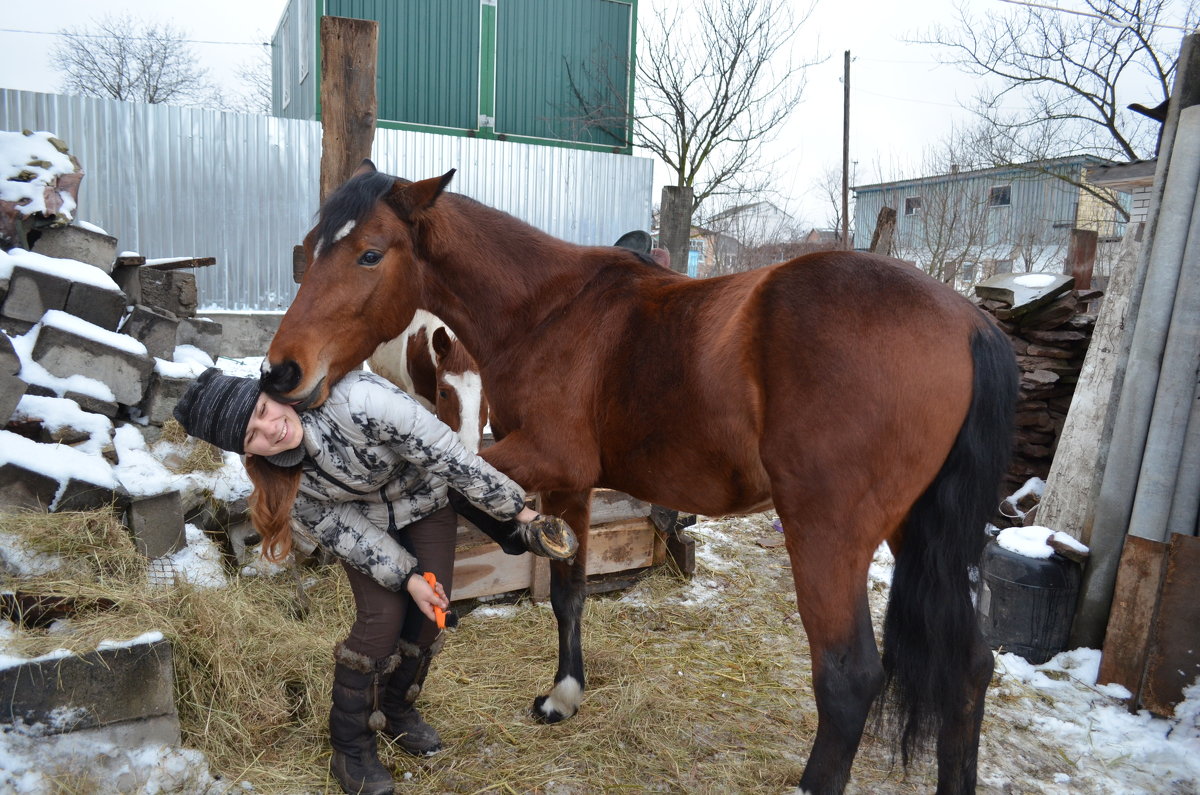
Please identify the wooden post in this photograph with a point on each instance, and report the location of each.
(349, 50)
(885, 228)
(1081, 257)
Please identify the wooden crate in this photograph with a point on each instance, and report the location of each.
(622, 538)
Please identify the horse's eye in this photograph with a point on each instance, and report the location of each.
(443, 394)
(370, 258)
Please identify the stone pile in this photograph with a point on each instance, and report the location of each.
(1050, 326)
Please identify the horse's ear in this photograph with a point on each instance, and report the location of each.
(365, 167)
(441, 342)
(421, 195)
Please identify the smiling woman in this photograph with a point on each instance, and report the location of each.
(366, 477)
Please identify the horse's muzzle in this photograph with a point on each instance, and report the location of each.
(281, 380)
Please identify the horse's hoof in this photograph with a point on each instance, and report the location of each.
(544, 713)
(550, 537)
(560, 703)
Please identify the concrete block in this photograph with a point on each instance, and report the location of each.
(201, 332)
(169, 291)
(93, 404)
(105, 308)
(12, 389)
(78, 243)
(162, 395)
(246, 333)
(154, 329)
(156, 524)
(13, 327)
(81, 495)
(87, 691)
(10, 362)
(113, 359)
(32, 293)
(23, 489)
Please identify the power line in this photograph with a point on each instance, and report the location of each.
(132, 38)
(1116, 23)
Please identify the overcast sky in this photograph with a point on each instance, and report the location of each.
(902, 101)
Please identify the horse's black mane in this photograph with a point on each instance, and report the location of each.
(351, 202)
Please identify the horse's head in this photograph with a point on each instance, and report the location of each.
(460, 402)
(361, 286)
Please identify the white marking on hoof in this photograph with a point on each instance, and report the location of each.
(564, 699)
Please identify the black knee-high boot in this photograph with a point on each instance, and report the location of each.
(354, 719)
(404, 723)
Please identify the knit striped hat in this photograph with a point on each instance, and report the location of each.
(217, 408)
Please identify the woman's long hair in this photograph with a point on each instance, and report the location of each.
(275, 489)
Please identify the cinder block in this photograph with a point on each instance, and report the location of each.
(154, 329)
(10, 363)
(93, 404)
(12, 389)
(169, 291)
(33, 293)
(22, 489)
(162, 395)
(156, 524)
(86, 691)
(114, 362)
(105, 308)
(81, 495)
(78, 243)
(202, 333)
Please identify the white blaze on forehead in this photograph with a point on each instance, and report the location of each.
(469, 387)
(346, 229)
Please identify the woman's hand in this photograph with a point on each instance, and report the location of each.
(426, 596)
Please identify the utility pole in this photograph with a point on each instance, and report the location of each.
(846, 157)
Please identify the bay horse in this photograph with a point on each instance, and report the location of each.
(862, 399)
(427, 361)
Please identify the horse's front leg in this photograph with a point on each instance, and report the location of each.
(567, 465)
(568, 586)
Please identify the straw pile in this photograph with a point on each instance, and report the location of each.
(700, 686)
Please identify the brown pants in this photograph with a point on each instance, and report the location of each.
(382, 616)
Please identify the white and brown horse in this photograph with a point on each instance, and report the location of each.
(427, 361)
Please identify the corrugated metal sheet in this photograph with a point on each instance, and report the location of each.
(428, 59)
(173, 182)
(543, 60)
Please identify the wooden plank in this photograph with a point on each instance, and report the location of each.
(1175, 637)
(349, 50)
(179, 263)
(615, 506)
(481, 568)
(618, 546)
(1136, 591)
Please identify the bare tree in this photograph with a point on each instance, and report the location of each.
(120, 57)
(713, 89)
(1058, 83)
(255, 91)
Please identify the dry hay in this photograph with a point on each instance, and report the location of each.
(198, 455)
(687, 691)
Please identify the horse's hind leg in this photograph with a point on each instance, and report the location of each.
(958, 738)
(831, 594)
(568, 586)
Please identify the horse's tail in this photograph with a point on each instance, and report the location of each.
(931, 626)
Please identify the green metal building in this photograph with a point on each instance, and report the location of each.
(553, 72)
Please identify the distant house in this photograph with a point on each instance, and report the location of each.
(754, 224)
(964, 226)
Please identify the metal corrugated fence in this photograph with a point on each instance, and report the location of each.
(174, 182)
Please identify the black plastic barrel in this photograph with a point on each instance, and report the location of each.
(1026, 604)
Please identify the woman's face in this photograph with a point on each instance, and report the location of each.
(273, 428)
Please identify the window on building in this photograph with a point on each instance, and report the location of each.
(695, 255)
(1000, 196)
(912, 205)
(967, 273)
(1003, 266)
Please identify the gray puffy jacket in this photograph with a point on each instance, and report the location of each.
(376, 461)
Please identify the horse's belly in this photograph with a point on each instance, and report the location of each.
(710, 486)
